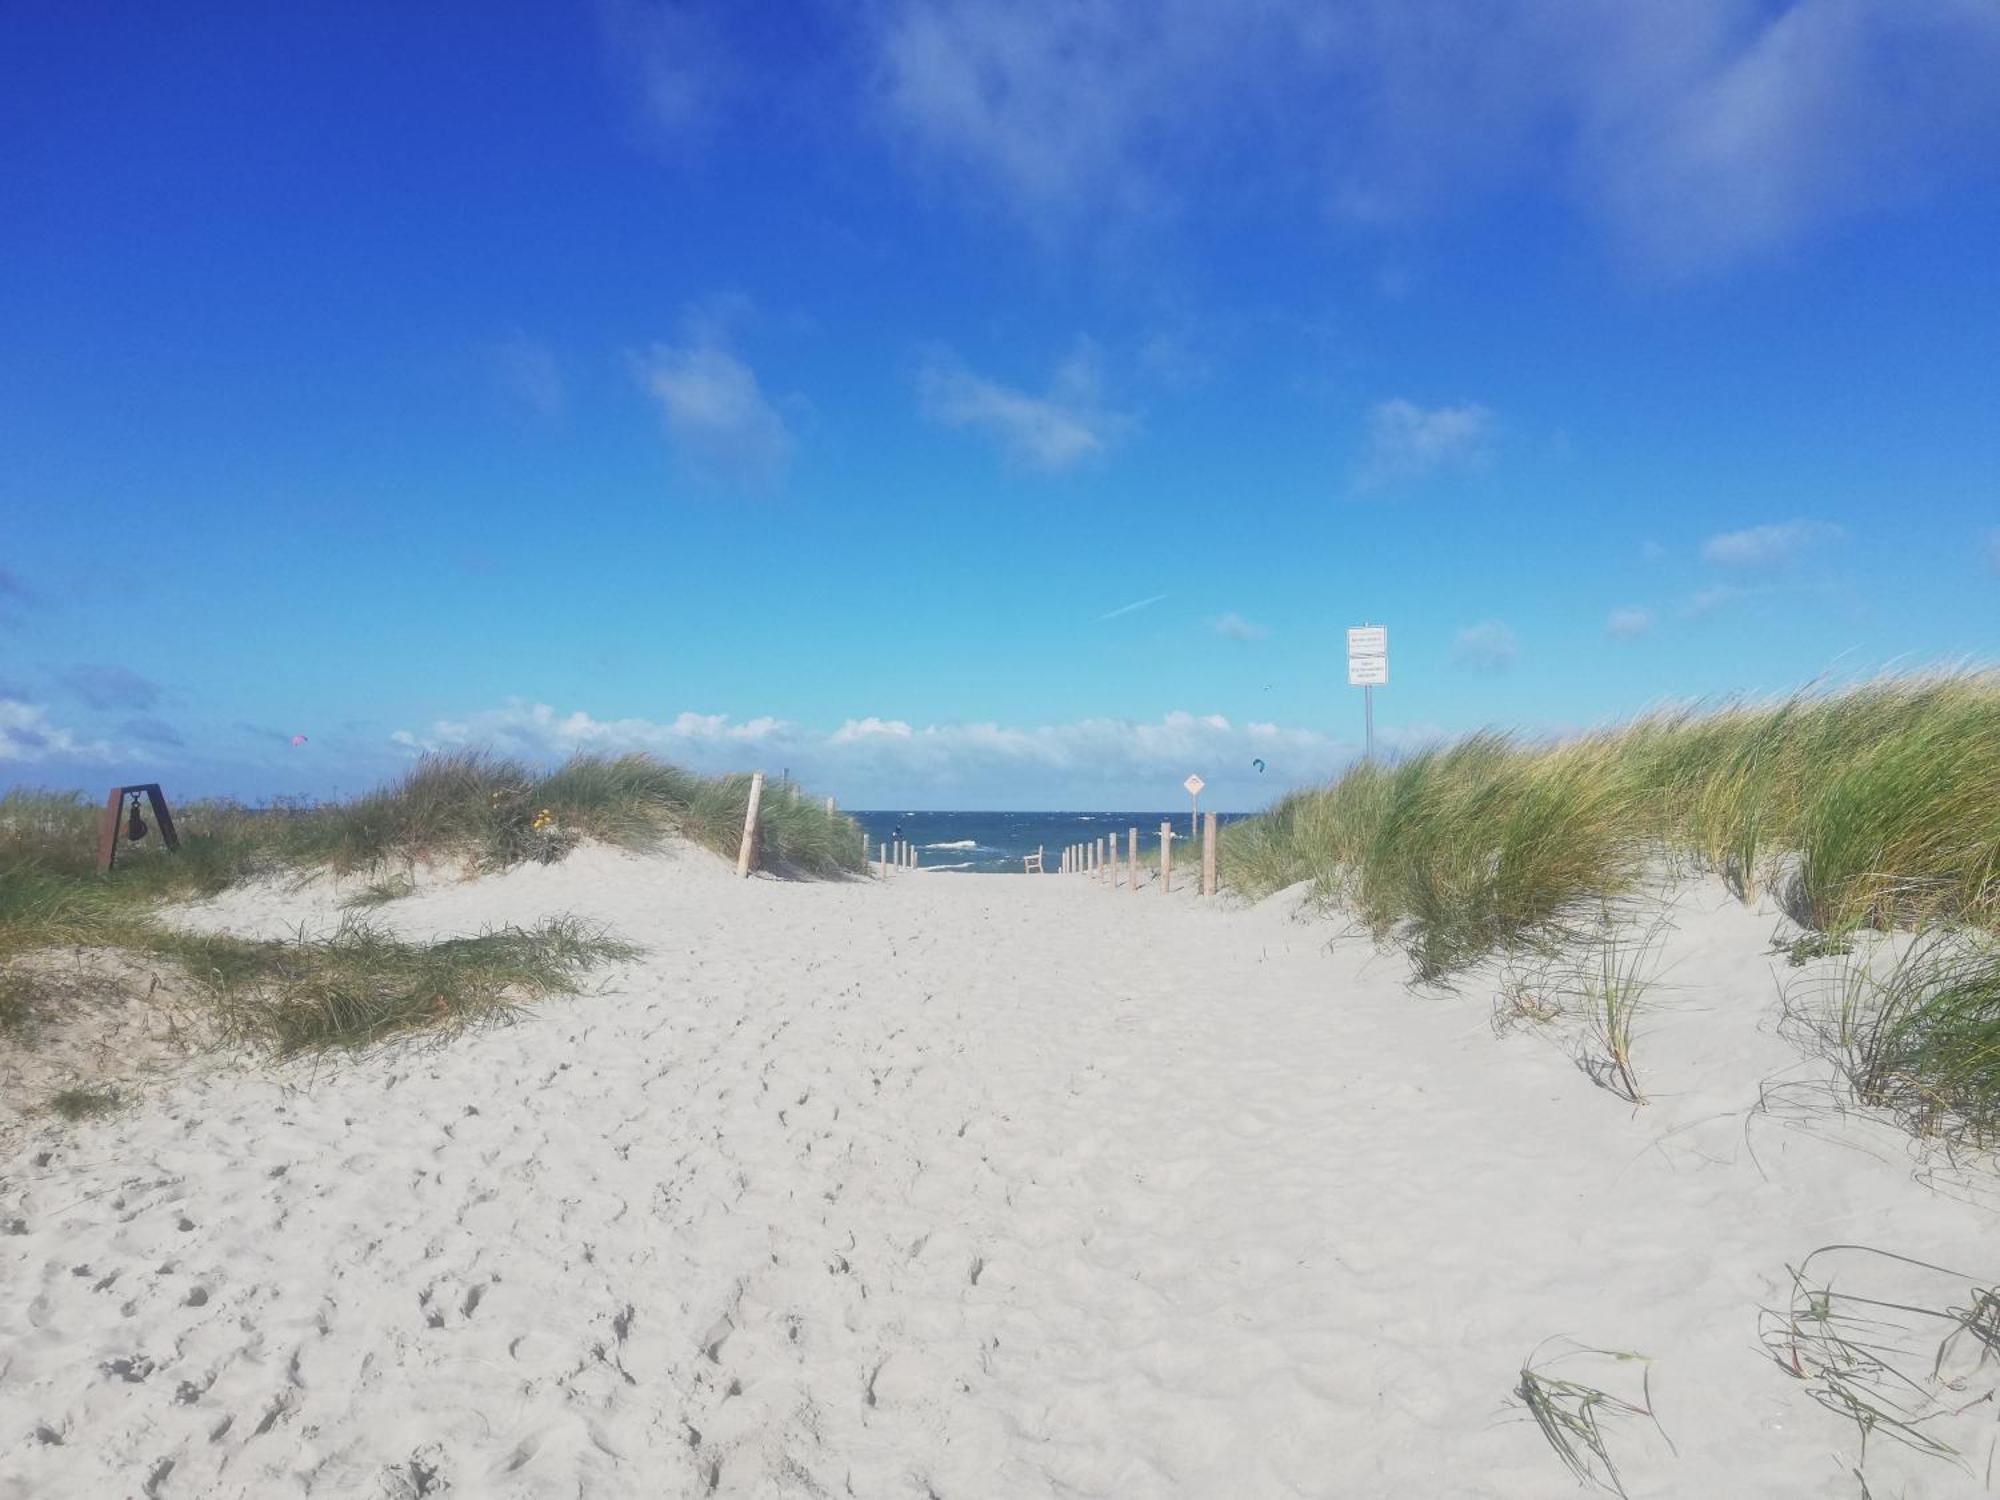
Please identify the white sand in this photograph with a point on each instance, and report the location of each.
(962, 1186)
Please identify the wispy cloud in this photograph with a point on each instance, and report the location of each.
(1407, 443)
(1133, 608)
(674, 57)
(1699, 136)
(1059, 429)
(28, 734)
(1767, 546)
(722, 425)
(106, 687)
(529, 376)
(1714, 599)
(1488, 646)
(1629, 623)
(1233, 627)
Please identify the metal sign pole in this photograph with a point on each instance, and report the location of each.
(1368, 717)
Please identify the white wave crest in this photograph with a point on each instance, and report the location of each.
(961, 844)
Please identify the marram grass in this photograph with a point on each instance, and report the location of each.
(1873, 805)
(361, 986)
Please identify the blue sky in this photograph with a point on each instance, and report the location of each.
(963, 405)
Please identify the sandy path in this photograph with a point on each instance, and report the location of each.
(958, 1187)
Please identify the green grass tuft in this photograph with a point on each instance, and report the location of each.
(1874, 805)
(1923, 1038)
(361, 986)
(83, 1104)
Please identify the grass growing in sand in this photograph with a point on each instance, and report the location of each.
(1875, 805)
(1871, 1358)
(361, 985)
(1923, 1038)
(1572, 1414)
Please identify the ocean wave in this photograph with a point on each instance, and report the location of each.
(960, 844)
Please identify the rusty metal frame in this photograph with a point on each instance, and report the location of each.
(114, 803)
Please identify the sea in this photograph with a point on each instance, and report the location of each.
(992, 843)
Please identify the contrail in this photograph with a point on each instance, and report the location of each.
(1126, 609)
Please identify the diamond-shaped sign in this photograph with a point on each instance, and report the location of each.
(1194, 784)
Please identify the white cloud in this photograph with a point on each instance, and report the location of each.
(1699, 133)
(1408, 443)
(1628, 623)
(26, 734)
(1234, 627)
(1488, 646)
(1766, 546)
(877, 761)
(1051, 432)
(721, 423)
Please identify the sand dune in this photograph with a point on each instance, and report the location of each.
(957, 1187)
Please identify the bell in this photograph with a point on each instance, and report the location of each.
(135, 827)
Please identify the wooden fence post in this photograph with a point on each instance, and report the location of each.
(882, 852)
(749, 845)
(1208, 854)
(1132, 858)
(1166, 857)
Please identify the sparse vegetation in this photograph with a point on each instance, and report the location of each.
(82, 1104)
(361, 985)
(1572, 1415)
(1922, 1038)
(1871, 1359)
(1872, 806)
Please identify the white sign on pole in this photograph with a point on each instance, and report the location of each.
(1367, 671)
(1194, 784)
(1368, 640)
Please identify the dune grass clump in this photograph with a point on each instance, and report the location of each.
(82, 1103)
(1872, 805)
(1923, 1038)
(361, 986)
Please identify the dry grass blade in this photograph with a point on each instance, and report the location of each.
(1856, 1351)
(1571, 1414)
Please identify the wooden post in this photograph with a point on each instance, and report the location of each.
(1132, 858)
(1167, 857)
(1100, 861)
(1208, 854)
(882, 851)
(1111, 847)
(749, 845)
(829, 807)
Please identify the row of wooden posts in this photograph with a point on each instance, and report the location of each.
(1098, 858)
(897, 854)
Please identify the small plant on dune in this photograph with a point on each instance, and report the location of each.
(82, 1104)
(1863, 1357)
(1803, 949)
(1572, 1415)
(1923, 1038)
(381, 892)
(1612, 983)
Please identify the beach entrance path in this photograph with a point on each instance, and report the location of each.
(950, 1186)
